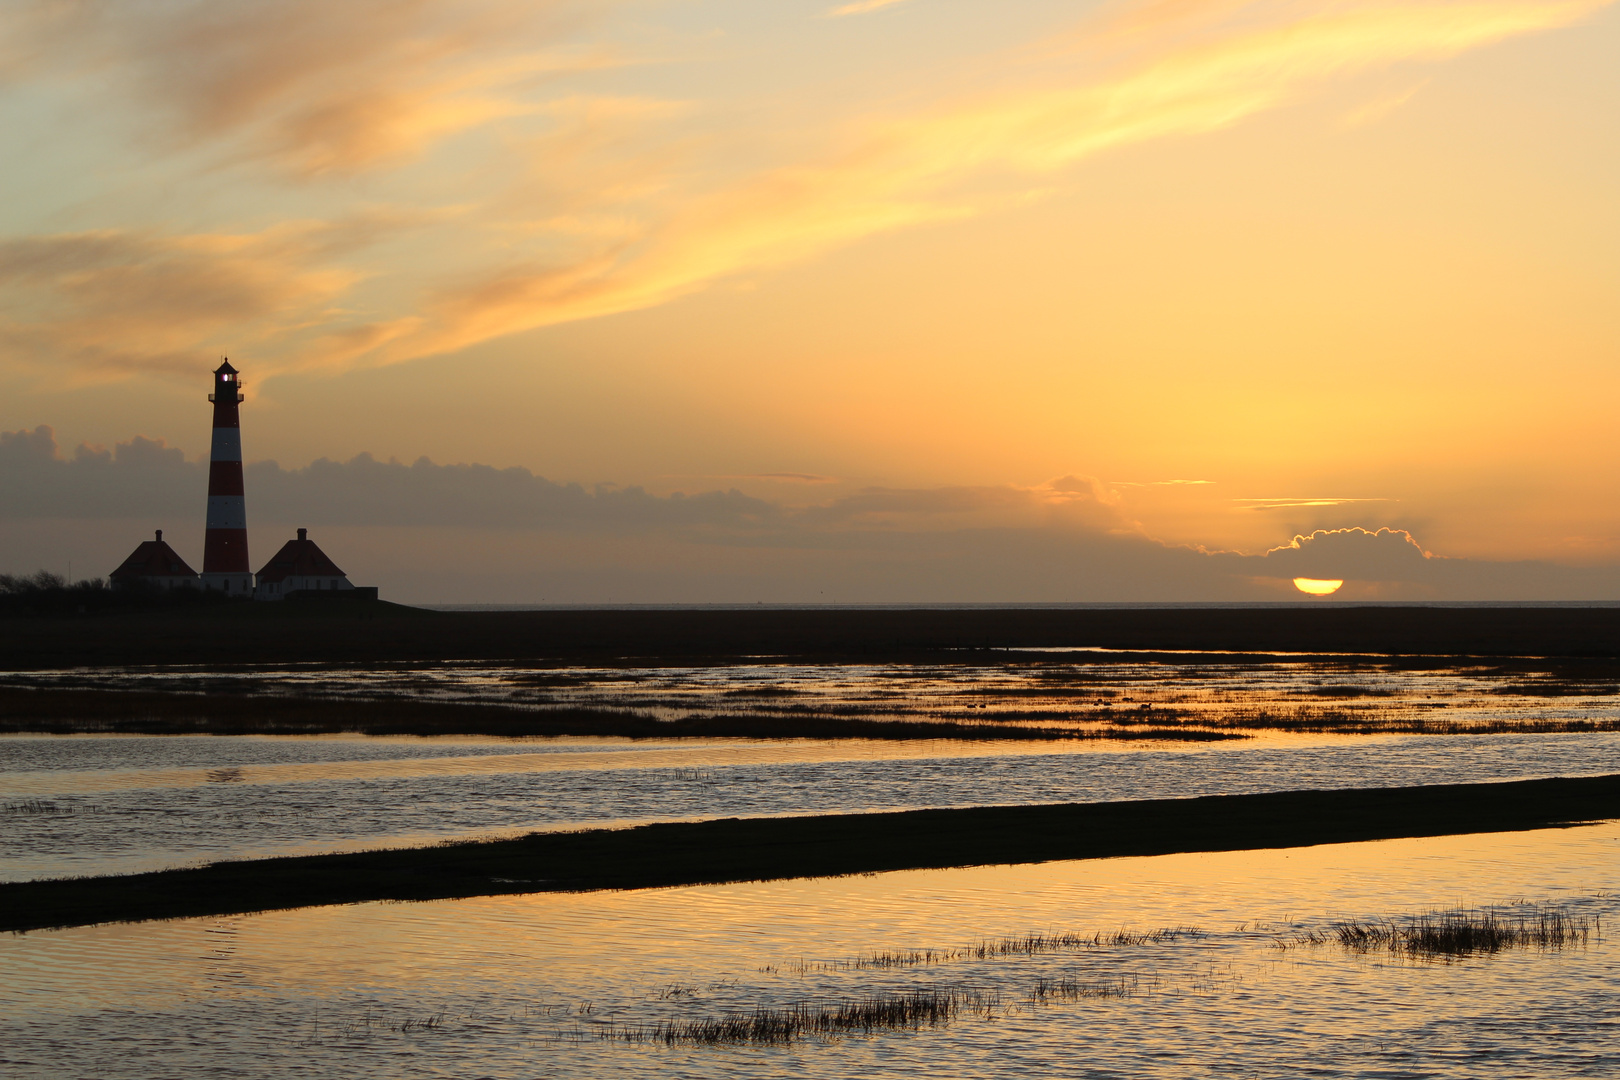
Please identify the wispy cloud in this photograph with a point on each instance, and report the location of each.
(916, 169)
(312, 86)
(1292, 503)
(1375, 110)
(862, 7)
(1160, 483)
(793, 477)
(119, 301)
(620, 204)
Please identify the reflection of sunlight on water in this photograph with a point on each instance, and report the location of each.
(105, 821)
(594, 754)
(501, 986)
(513, 976)
(1030, 686)
(150, 814)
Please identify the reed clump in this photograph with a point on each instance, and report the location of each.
(44, 807)
(31, 806)
(370, 1024)
(908, 1010)
(1057, 991)
(1465, 933)
(1025, 945)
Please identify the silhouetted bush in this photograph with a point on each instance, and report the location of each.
(45, 593)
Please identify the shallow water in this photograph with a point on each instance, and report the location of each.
(1028, 685)
(519, 987)
(101, 804)
(91, 805)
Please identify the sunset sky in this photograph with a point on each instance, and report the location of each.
(893, 300)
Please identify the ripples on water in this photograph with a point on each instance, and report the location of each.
(167, 800)
(514, 987)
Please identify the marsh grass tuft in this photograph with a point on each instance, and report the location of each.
(1026, 945)
(1056, 991)
(371, 1024)
(909, 1010)
(46, 808)
(696, 776)
(1455, 934)
(31, 806)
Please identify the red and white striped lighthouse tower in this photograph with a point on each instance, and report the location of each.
(225, 551)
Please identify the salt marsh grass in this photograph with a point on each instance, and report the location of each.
(1059, 991)
(1470, 932)
(908, 1010)
(47, 808)
(1025, 945)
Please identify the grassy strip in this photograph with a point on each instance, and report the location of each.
(138, 712)
(754, 849)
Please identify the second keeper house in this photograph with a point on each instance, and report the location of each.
(298, 567)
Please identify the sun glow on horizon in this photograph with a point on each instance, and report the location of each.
(1318, 586)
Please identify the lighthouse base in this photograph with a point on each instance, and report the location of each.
(235, 583)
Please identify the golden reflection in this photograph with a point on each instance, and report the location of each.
(1318, 586)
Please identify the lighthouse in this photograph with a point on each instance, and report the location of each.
(225, 551)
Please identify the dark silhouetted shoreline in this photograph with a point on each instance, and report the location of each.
(378, 632)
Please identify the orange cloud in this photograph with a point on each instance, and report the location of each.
(123, 301)
(314, 86)
(861, 7)
(615, 208)
(920, 169)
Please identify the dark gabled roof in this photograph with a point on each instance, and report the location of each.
(299, 558)
(153, 558)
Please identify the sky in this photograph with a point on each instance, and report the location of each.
(684, 301)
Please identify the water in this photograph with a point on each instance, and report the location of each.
(119, 804)
(98, 804)
(516, 987)
(1030, 685)
(522, 987)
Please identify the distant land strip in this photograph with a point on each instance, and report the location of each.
(347, 634)
(761, 849)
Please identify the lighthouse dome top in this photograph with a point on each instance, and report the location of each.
(225, 368)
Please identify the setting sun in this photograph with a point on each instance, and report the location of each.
(1317, 586)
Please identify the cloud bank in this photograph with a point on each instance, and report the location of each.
(432, 532)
